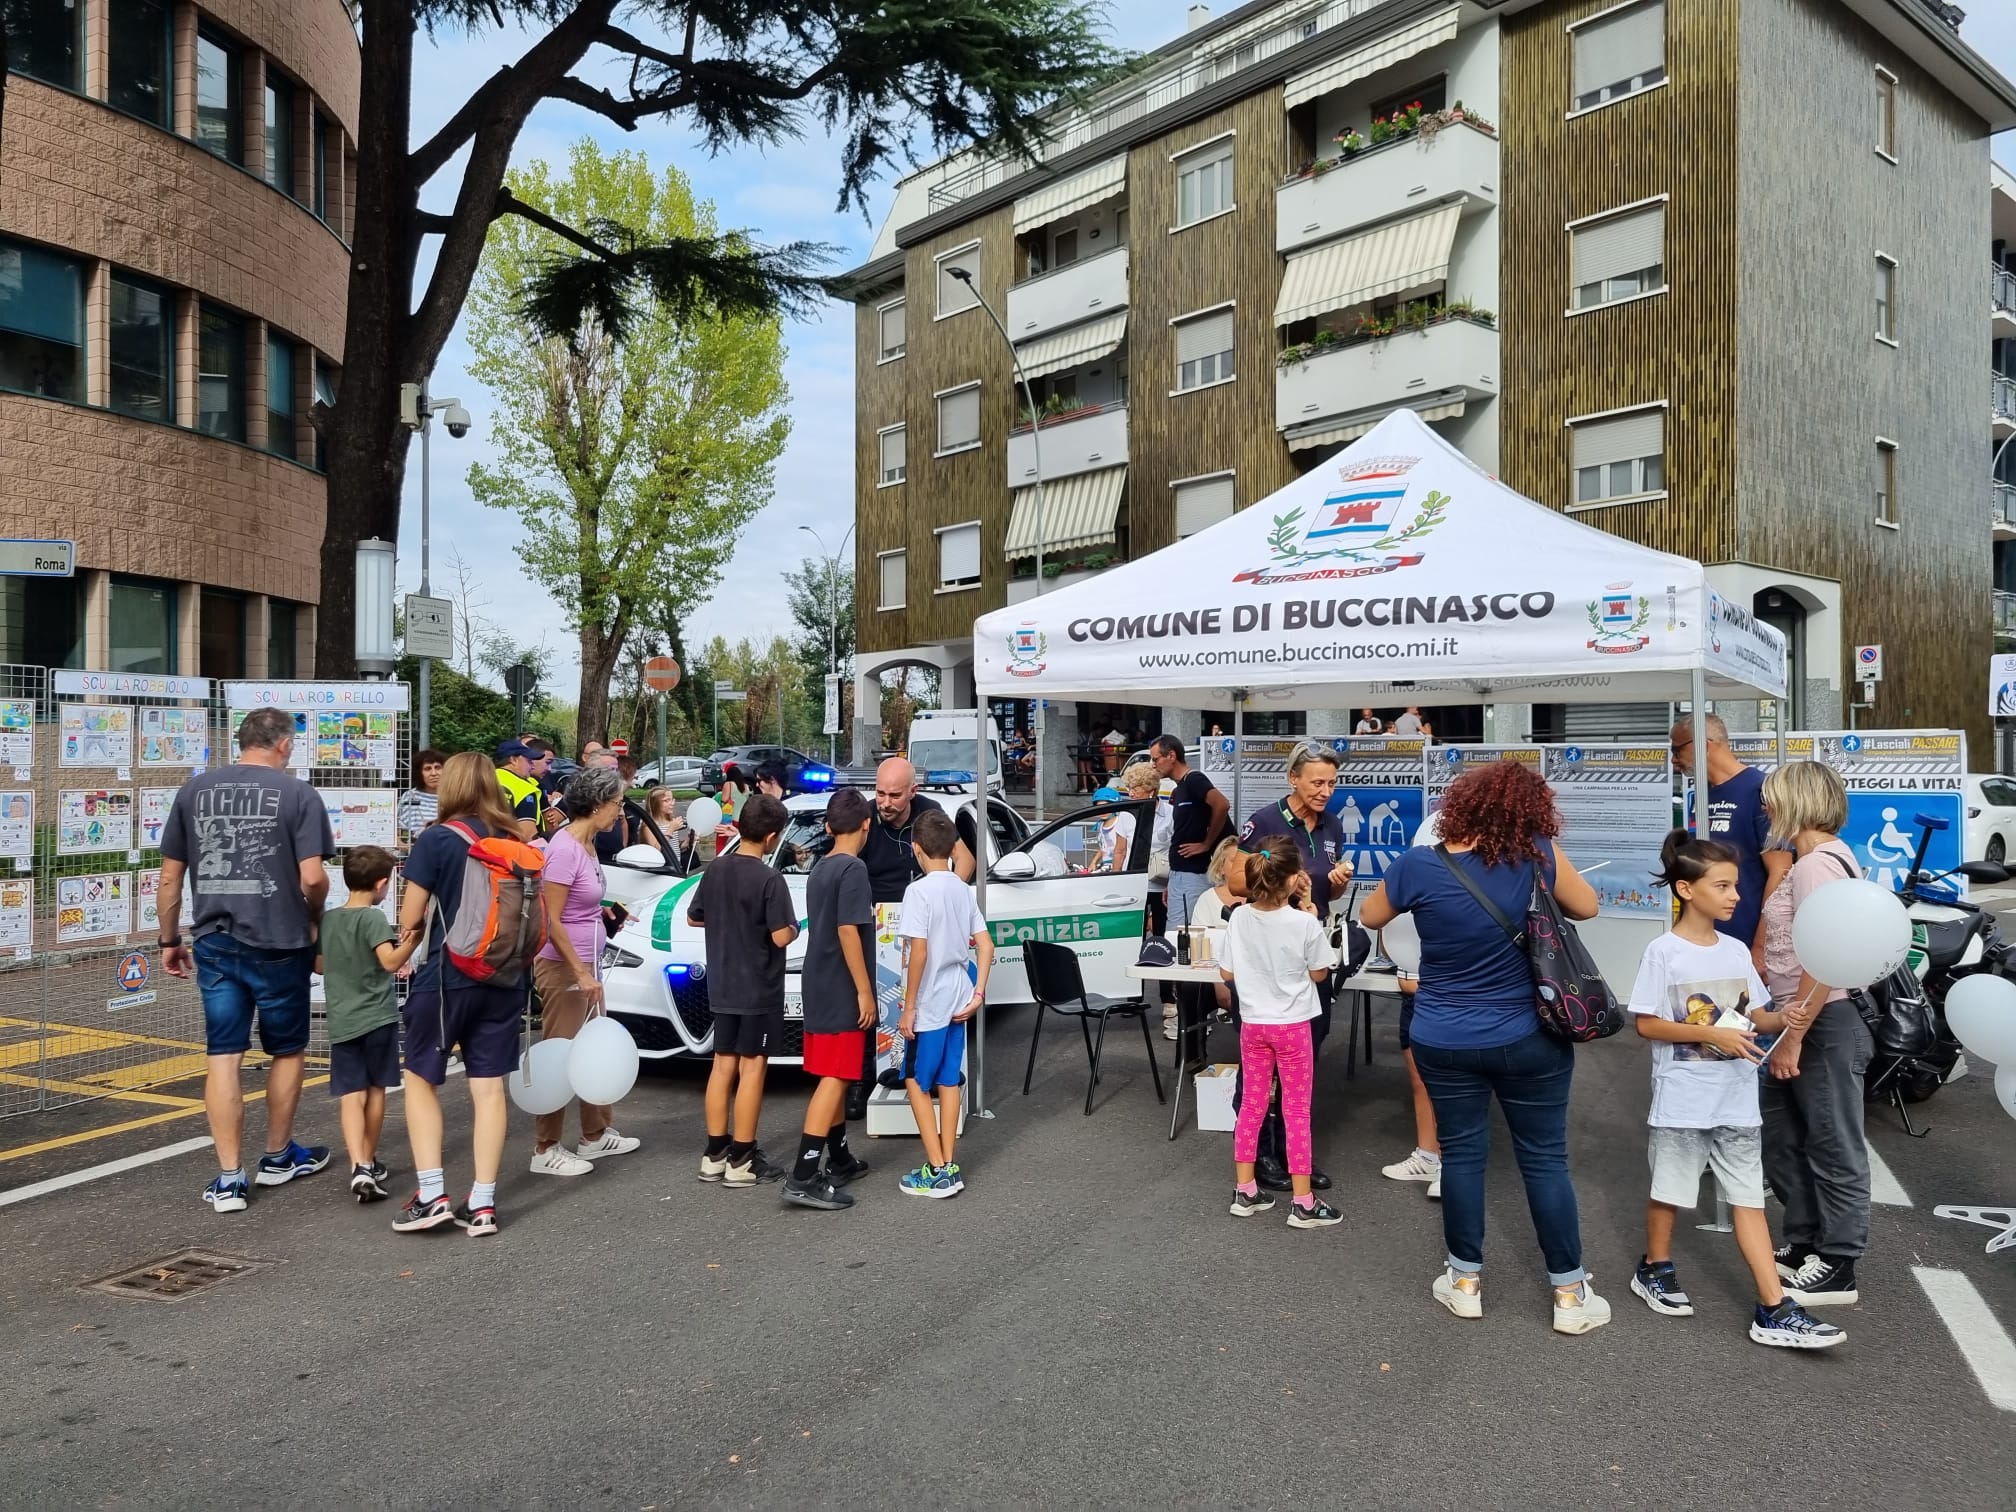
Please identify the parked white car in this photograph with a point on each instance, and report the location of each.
(1991, 818)
(1040, 886)
(678, 772)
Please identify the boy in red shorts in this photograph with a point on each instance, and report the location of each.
(838, 990)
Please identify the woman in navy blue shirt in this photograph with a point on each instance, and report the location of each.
(1475, 1032)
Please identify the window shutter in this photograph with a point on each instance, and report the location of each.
(959, 554)
(959, 419)
(1203, 336)
(895, 452)
(892, 568)
(1601, 442)
(892, 329)
(953, 295)
(1623, 244)
(1203, 504)
(1619, 47)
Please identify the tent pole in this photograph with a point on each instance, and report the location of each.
(981, 830)
(1697, 711)
(1238, 757)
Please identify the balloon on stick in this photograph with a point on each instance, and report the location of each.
(1850, 933)
(539, 1085)
(1981, 1012)
(703, 816)
(603, 1065)
(1402, 943)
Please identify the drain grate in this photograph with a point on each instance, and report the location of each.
(178, 1276)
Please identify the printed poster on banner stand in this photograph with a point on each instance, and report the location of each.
(150, 897)
(97, 906)
(1262, 773)
(1616, 806)
(17, 733)
(95, 735)
(174, 737)
(362, 816)
(1379, 802)
(155, 804)
(93, 819)
(1444, 764)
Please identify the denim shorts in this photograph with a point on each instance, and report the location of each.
(1734, 1154)
(239, 983)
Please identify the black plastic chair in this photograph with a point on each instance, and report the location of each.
(1057, 986)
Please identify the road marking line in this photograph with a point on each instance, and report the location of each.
(1884, 1187)
(85, 1136)
(32, 1052)
(109, 1168)
(1984, 1343)
(85, 1092)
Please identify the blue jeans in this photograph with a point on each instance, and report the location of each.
(242, 982)
(1530, 1079)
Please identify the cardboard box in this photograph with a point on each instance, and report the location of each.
(1215, 1086)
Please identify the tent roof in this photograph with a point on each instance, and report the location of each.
(1396, 572)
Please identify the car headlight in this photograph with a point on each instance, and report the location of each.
(614, 955)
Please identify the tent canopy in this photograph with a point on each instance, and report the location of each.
(1396, 572)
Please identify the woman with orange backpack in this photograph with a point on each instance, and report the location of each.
(473, 897)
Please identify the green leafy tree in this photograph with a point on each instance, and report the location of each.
(877, 74)
(634, 465)
(821, 597)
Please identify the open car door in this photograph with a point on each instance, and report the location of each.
(1052, 887)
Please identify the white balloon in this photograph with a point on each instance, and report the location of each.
(1851, 933)
(547, 1091)
(703, 816)
(603, 1065)
(1981, 1012)
(1402, 943)
(2005, 1089)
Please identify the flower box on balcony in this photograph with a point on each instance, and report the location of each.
(1412, 318)
(1353, 144)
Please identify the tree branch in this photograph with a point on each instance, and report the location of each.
(509, 204)
(625, 113)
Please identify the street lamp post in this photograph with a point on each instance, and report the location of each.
(418, 412)
(1036, 448)
(832, 622)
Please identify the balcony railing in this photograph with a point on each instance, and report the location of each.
(1453, 356)
(2003, 398)
(1124, 105)
(2002, 288)
(1091, 286)
(2005, 612)
(1081, 440)
(2002, 504)
(1398, 177)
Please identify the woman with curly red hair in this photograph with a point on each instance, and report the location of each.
(1475, 1032)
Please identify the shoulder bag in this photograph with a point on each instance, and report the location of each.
(1570, 997)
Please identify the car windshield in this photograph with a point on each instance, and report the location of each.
(805, 842)
(929, 756)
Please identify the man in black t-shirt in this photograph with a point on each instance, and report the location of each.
(892, 866)
(1199, 816)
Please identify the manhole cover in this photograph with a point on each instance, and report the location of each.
(174, 1277)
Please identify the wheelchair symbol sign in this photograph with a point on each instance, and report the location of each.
(132, 971)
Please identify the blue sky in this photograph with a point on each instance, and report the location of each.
(782, 195)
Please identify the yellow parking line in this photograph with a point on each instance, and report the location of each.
(109, 1036)
(81, 1089)
(21, 1152)
(171, 1068)
(35, 1051)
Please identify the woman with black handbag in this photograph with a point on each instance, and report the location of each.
(1477, 1032)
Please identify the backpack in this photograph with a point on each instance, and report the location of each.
(499, 924)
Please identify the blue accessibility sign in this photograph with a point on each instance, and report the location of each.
(132, 971)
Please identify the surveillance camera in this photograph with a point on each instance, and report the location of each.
(458, 421)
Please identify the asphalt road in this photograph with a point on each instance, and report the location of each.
(1084, 1326)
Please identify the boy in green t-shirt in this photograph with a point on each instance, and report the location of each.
(358, 956)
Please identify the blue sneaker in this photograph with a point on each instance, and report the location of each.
(1790, 1326)
(1659, 1287)
(946, 1181)
(227, 1196)
(917, 1183)
(295, 1160)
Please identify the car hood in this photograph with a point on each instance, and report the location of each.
(659, 924)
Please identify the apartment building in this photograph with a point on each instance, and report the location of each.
(2002, 402)
(1691, 270)
(176, 199)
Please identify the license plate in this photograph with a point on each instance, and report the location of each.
(794, 1006)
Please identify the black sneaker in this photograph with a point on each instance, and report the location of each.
(380, 1172)
(1821, 1282)
(424, 1213)
(1790, 1257)
(757, 1168)
(819, 1192)
(476, 1222)
(846, 1169)
(1790, 1326)
(1319, 1214)
(365, 1186)
(1659, 1285)
(1245, 1207)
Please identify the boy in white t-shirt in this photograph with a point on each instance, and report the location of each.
(1699, 1000)
(945, 932)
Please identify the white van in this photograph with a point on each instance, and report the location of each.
(944, 746)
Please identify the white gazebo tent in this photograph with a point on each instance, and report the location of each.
(1395, 571)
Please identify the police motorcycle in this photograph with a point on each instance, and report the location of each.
(1916, 1054)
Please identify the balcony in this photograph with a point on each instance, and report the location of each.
(1064, 296)
(1341, 194)
(2002, 508)
(1083, 440)
(1023, 589)
(1455, 357)
(2005, 613)
(2002, 399)
(2002, 292)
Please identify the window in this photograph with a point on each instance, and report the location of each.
(895, 453)
(42, 621)
(222, 636)
(955, 294)
(1203, 349)
(1204, 183)
(1618, 256)
(280, 437)
(1202, 503)
(959, 555)
(281, 632)
(319, 166)
(220, 127)
(46, 40)
(41, 322)
(220, 374)
(893, 344)
(1618, 53)
(325, 393)
(1886, 113)
(891, 568)
(143, 626)
(1886, 299)
(959, 419)
(1619, 456)
(140, 72)
(143, 349)
(1886, 482)
(280, 134)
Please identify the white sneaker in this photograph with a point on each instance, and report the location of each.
(1435, 1188)
(611, 1143)
(1413, 1168)
(1462, 1292)
(557, 1162)
(1578, 1310)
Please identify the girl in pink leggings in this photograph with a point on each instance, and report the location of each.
(1275, 953)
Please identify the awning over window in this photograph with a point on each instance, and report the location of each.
(1350, 428)
(1055, 201)
(1067, 349)
(1078, 511)
(1403, 258)
(1394, 47)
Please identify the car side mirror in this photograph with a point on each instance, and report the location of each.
(1019, 867)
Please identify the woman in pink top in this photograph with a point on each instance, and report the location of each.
(568, 971)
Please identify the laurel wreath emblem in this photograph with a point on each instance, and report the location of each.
(1629, 631)
(1281, 541)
